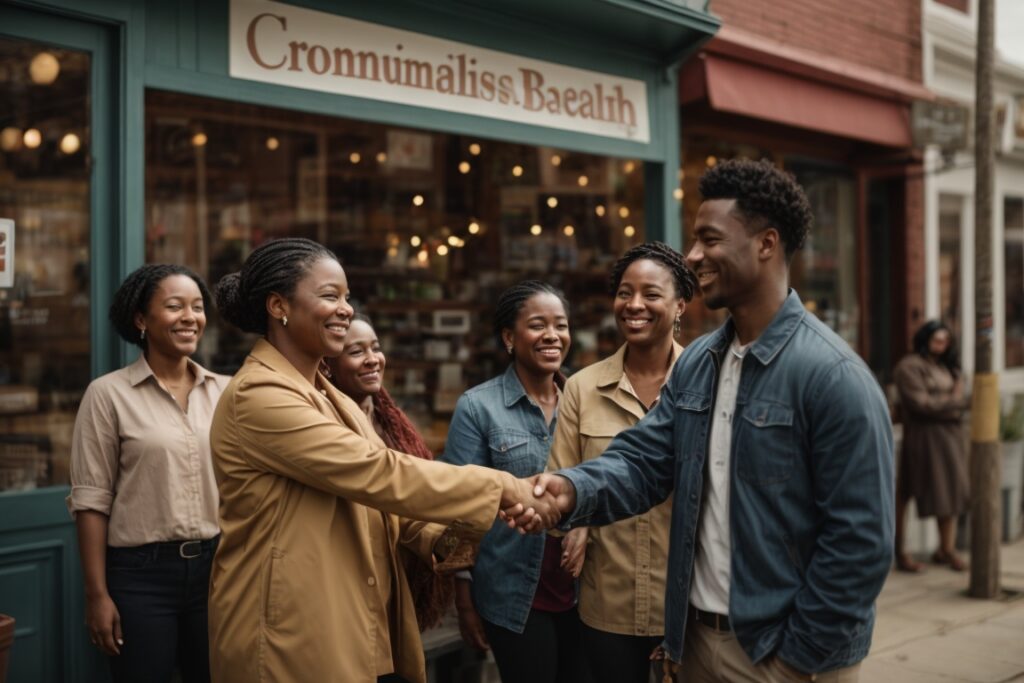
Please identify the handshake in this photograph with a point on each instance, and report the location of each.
(536, 503)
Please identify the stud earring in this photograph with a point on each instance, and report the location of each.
(142, 334)
(284, 320)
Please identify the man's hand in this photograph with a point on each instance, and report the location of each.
(530, 520)
(519, 499)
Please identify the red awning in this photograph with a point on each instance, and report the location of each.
(747, 89)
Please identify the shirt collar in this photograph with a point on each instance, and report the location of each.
(614, 368)
(774, 337)
(139, 371)
(512, 387)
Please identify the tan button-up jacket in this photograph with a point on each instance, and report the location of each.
(298, 591)
(622, 586)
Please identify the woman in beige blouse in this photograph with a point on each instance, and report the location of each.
(142, 487)
(307, 583)
(622, 566)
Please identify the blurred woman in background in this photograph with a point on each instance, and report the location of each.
(933, 465)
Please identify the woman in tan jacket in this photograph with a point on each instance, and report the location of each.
(933, 462)
(622, 566)
(306, 582)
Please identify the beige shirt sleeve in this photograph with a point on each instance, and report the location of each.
(95, 450)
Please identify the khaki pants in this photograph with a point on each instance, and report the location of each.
(712, 656)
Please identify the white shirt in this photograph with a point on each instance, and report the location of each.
(710, 589)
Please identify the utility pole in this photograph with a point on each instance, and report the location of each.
(986, 502)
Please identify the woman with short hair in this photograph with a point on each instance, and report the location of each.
(143, 492)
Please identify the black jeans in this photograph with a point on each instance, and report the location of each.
(549, 650)
(616, 658)
(162, 599)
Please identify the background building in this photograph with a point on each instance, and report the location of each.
(444, 149)
(825, 90)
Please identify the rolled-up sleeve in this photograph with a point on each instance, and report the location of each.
(95, 451)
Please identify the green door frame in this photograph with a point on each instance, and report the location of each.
(40, 576)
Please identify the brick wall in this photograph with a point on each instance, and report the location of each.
(880, 34)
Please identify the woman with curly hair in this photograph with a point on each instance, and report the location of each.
(359, 372)
(622, 566)
(142, 485)
(933, 468)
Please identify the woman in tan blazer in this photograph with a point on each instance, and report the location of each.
(306, 582)
(622, 566)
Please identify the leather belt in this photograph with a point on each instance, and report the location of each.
(718, 622)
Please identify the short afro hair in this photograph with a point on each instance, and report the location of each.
(683, 279)
(765, 196)
(135, 293)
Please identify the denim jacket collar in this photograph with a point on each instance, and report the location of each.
(767, 346)
(512, 387)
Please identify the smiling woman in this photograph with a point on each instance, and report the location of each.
(520, 602)
(314, 506)
(146, 541)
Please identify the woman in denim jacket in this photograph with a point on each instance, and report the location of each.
(519, 601)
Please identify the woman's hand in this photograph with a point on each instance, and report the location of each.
(104, 624)
(574, 550)
(471, 626)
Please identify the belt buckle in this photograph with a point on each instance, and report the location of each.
(184, 553)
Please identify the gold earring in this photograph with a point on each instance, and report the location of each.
(677, 326)
(284, 321)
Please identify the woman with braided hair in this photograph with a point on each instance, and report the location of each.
(622, 566)
(307, 583)
(359, 373)
(143, 493)
(519, 602)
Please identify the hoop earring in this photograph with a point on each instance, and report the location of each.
(284, 320)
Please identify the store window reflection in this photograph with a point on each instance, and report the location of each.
(824, 272)
(430, 228)
(44, 258)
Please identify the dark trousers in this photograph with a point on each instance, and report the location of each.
(549, 650)
(616, 658)
(162, 599)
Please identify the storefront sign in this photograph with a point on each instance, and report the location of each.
(6, 252)
(277, 43)
(939, 123)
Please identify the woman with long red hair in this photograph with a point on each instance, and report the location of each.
(359, 373)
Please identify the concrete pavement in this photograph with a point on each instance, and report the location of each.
(929, 631)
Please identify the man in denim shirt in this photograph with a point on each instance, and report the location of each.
(774, 438)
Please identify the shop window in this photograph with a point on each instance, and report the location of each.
(430, 228)
(1013, 255)
(951, 208)
(44, 258)
(824, 272)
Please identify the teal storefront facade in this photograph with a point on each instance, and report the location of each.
(135, 156)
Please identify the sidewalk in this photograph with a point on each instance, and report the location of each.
(929, 631)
